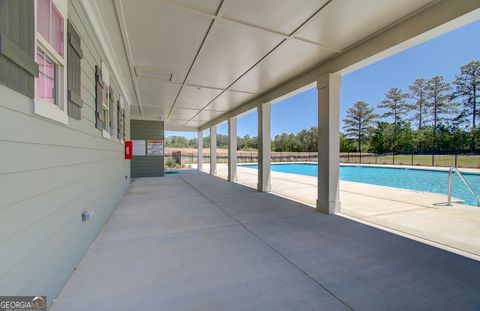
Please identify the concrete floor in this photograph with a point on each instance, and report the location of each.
(414, 214)
(195, 242)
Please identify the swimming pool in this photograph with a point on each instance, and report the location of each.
(413, 179)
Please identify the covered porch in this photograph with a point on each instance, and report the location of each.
(194, 241)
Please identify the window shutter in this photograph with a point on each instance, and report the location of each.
(74, 84)
(110, 113)
(123, 123)
(119, 119)
(17, 42)
(99, 98)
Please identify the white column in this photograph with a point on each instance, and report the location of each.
(264, 149)
(232, 149)
(200, 150)
(213, 150)
(328, 87)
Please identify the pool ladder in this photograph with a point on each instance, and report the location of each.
(455, 170)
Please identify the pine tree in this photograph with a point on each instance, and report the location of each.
(439, 100)
(396, 105)
(467, 88)
(359, 122)
(418, 92)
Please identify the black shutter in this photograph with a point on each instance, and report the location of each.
(99, 98)
(123, 123)
(119, 119)
(110, 113)
(17, 42)
(74, 84)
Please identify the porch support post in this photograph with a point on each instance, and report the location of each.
(328, 87)
(232, 149)
(213, 150)
(264, 147)
(200, 150)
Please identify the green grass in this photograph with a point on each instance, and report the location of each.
(466, 161)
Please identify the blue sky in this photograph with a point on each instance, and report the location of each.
(440, 56)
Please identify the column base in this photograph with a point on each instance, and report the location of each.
(264, 188)
(329, 208)
(232, 178)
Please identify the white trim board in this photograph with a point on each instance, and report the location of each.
(105, 44)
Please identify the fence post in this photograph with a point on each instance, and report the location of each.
(348, 157)
(433, 159)
(455, 160)
(393, 158)
(376, 158)
(412, 158)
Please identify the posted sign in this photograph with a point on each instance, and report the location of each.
(155, 147)
(138, 147)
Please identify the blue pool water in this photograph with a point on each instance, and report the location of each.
(413, 179)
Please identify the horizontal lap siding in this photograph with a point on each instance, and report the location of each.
(49, 174)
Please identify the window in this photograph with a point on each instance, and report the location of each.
(50, 92)
(47, 78)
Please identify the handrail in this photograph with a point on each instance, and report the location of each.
(454, 169)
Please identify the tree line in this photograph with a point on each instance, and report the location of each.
(305, 140)
(243, 143)
(431, 116)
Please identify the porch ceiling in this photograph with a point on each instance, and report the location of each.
(191, 61)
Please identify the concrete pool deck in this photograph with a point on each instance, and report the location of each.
(191, 241)
(418, 215)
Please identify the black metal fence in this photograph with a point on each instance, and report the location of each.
(464, 160)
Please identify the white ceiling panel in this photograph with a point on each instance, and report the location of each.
(182, 114)
(232, 49)
(196, 97)
(155, 112)
(163, 35)
(205, 6)
(282, 16)
(179, 125)
(196, 123)
(292, 58)
(207, 115)
(230, 100)
(155, 93)
(343, 23)
(134, 111)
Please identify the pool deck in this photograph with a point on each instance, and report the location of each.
(418, 215)
(191, 241)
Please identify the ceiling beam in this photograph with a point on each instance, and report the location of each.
(191, 85)
(420, 26)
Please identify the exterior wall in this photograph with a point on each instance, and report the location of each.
(49, 174)
(147, 166)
